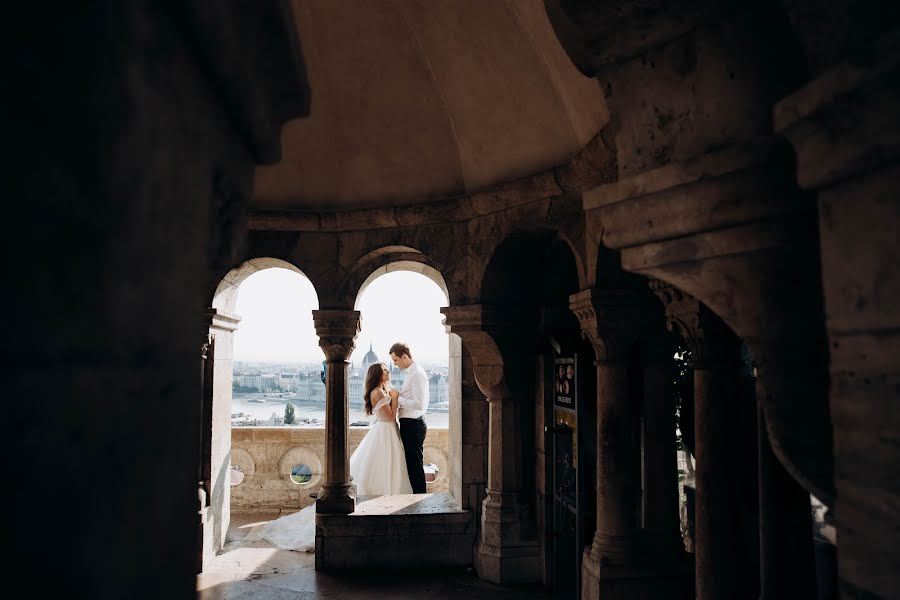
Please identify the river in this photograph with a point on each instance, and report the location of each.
(307, 409)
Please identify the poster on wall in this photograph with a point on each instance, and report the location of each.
(564, 396)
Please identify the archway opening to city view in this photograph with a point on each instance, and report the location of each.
(401, 302)
(268, 400)
(277, 360)
(261, 340)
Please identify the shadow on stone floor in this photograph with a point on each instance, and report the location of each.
(254, 570)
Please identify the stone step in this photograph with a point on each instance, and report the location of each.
(424, 530)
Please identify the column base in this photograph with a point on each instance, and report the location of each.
(508, 564)
(672, 580)
(502, 556)
(612, 549)
(336, 500)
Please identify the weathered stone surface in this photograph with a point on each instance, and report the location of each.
(846, 121)
(268, 485)
(728, 187)
(146, 190)
(426, 530)
(271, 220)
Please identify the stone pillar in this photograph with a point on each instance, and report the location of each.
(757, 267)
(455, 448)
(661, 531)
(787, 560)
(715, 547)
(845, 128)
(337, 331)
(614, 539)
(505, 552)
(715, 355)
(608, 321)
(216, 429)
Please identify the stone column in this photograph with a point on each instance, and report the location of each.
(505, 552)
(608, 321)
(337, 331)
(216, 428)
(716, 559)
(660, 524)
(845, 129)
(787, 560)
(715, 354)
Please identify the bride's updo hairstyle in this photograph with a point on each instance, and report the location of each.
(373, 380)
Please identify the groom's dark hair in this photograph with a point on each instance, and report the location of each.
(399, 349)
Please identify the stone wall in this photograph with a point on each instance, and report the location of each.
(266, 455)
(131, 155)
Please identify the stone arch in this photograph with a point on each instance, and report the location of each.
(388, 259)
(225, 296)
(524, 290)
(515, 245)
(217, 451)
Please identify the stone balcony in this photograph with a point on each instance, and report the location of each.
(429, 528)
(266, 455)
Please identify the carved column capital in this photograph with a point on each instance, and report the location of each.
(485, 329)
(702, 331)
(337, 331)
(612, 321)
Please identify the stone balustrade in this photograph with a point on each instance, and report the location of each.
(266, 455)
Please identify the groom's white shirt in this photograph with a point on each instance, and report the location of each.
(413, 402)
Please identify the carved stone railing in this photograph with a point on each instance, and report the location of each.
(265, 456)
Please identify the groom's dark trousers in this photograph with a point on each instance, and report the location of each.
(412, 433)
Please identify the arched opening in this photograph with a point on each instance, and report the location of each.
(261, 376)
(634, 479)
(743, 511)
(528, 281)
(400, 301)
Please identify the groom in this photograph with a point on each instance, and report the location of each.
(412, 405)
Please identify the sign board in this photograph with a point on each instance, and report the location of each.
(564, 382)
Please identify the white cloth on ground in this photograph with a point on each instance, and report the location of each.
(377, 467)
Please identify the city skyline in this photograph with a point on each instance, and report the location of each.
(276, 309)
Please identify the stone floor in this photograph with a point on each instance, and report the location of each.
(254, 570)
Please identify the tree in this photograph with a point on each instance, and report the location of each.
(288, 414)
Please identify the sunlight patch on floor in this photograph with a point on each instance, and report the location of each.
(234, 564)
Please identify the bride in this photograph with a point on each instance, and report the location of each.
(377, 467)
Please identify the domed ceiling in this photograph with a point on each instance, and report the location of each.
(414, 100)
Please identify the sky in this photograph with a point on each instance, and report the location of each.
(275, 306)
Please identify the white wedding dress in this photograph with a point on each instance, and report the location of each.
(377, 467)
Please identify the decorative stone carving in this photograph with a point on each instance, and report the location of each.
(611, 321)
(337, 331)
(690, 319)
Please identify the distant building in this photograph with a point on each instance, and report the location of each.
(251, 381)
(310, 387)
(289, 382)
(269, 383)
(438, 388)
(368, 360)
(356, 391)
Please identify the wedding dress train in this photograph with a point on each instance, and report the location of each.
(377, 467)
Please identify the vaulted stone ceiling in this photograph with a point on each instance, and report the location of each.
(414, 100)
